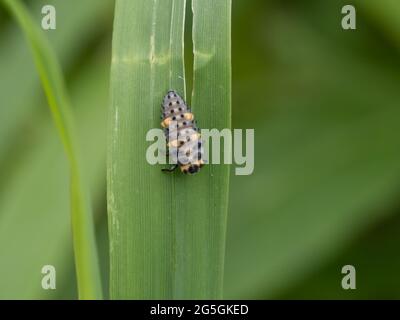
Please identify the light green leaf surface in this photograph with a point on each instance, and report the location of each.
(87, 268)
(166, 230)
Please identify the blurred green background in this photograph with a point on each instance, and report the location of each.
(325, 106)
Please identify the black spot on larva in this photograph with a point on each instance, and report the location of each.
(180, 109)
(175, 95)
(184, 123)
(193, 169)
(172, 111)
(182, 116)
(178, 102)
(170, 104)
(173, 118)
(169, 97)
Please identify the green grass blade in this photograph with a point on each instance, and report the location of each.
(166, 231)
(147, 59)
(82, 225)
(201, 218)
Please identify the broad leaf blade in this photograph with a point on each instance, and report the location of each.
(147, 60)
(166, 231)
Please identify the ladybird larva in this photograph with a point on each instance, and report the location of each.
(183, 136)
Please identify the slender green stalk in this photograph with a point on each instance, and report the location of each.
(167, 231)
(87, 268)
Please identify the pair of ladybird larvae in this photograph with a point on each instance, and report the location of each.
(186, 142)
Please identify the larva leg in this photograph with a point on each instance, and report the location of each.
(173, 168)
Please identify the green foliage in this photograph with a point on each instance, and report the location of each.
(167, 232)
(327, 147)
(324, 105)
(88, 275)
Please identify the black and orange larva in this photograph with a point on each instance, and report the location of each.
(183, 136)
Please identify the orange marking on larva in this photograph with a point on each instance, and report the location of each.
(175, 143)
(185, 167)
(200, 163)
(189, 116)
(195, 136)
(165, 123)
